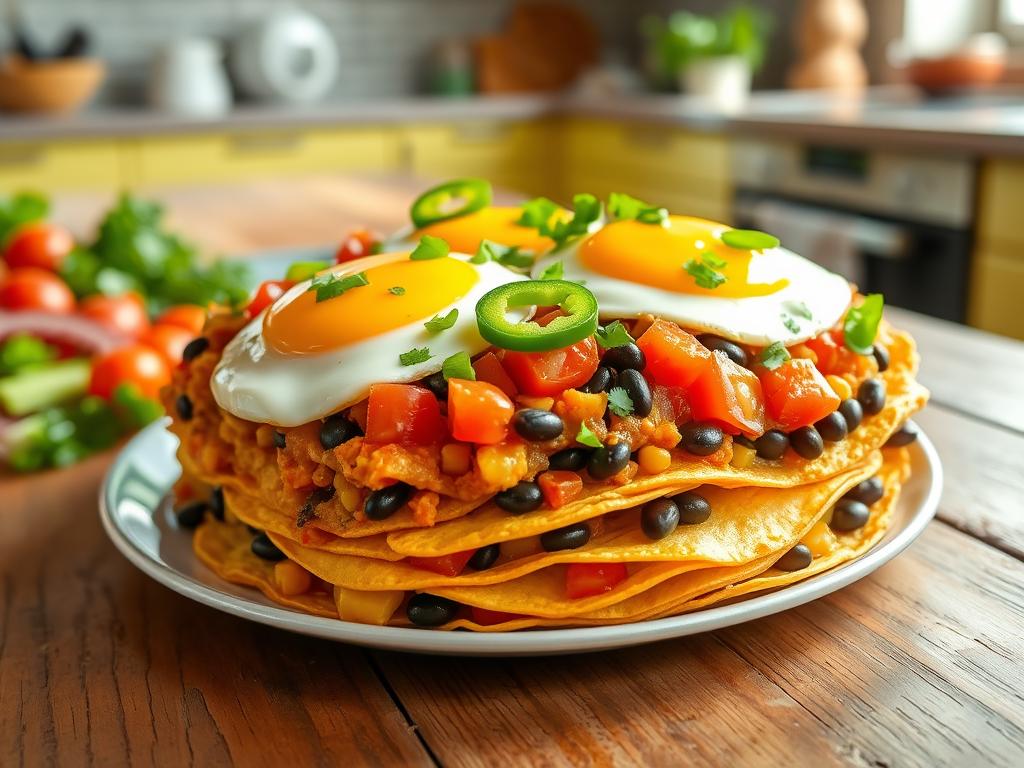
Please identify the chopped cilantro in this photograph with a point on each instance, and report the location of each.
(415, 356)
(791, 324)
(713, 261)
(703, 275)
(613, 335)
(861, 324)
(553, 271)
(538, 213)
(396, 290)
(586, 437)
(331, 286)
(798, 308)
(774, 355)
(506, 255)
(619, 402)
(458, 366)
(429, 247)
(439, 323)
(749, 239)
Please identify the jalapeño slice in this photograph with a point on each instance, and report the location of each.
(434, 205)
(579, 321)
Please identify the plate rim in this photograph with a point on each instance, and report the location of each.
(531, 642)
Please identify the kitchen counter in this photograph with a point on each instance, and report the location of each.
(917, 664)
(893, 116)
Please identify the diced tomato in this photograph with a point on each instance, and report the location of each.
(551, 373)
(38, 289)
(124, 314)
(796, 394)
(559, 487)
(403, 414)
(825, 347)
(445, 565)
(268, 292)
(588, 579)
(728, 395)
(136, 364)
(488, 368)
(188, 316)
(674, 357)
(478, 412)
(672, 403)
(486, 617)
(358, 243)
(169, 340)
(38, 244)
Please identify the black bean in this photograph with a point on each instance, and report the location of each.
(602, 380)
(537, 425)
(337, 429)
(881, 355)
(195, 348)
(693, 508)
(639, 391)
(772, 444)
(832, 428)
(522, 497)
(217, 502)
(438, 384)
(798, 558)
(871, 395)
(573, 459)
(733, 351)
(849, 515)
(867, 491)
(625, 357)
(485, 557)
(280, 441)
(569, 537)
(191, 514)
(659, 518)
(852, 412)
(307, 511)
(701, 439)
(905, 435)
(426, 610)
(807, 442)
(608, 460)
(265, 549)
(384, 502)
(183, 405)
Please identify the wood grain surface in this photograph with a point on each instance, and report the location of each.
(916, 665)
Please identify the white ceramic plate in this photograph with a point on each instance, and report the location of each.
(137, 515)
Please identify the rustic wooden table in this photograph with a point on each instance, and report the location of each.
(919, 664)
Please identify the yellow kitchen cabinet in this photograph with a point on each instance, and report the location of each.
(997, 272)
(262, 153)
(516, 156)
(51, 166)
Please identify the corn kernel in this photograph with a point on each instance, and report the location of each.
(820, 539)
(840, 386)
(455, 458)
(351, 498)
(802, 350)
(291, 578)
(502, 465)
(742, 456)
(367, 607)
(653, 459)
(543, 403)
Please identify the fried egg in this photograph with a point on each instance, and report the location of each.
(465, 233)
(303, 359)
(761, 296)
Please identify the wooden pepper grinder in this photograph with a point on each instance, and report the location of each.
(828, 35)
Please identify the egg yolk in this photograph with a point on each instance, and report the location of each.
(421, 289)
(464, 233)
(656, 255)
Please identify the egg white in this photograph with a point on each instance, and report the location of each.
(254, 381)
(755, 320)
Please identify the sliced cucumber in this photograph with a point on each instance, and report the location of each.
(34, 390)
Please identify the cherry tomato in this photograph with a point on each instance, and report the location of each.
(37, 289)
(404, 414)
(358, 243)
(268, 292)
(486, 617)
(559, 486)
(124, 314)
(135, 364)
(169, 340)
(551, 373)
(796, 394)
(488, 368)
(446, 565)
(588, 579)
(728, 395)
(188, 316)
(38, 245)
(674, 357)
(478, 412)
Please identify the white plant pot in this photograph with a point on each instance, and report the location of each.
(722, 82)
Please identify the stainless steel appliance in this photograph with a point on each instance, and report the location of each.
(895, 223)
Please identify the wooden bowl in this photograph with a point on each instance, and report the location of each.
(52, 87)
(956, 71)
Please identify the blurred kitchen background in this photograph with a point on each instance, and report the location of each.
(884, 138)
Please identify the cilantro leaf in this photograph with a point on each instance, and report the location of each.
(396, 290)
(619, 402)
(506, 255)
(458, 366)
(798, 308)
(429, 247)
(553, 271)
(613, 335)
(622, 206)
(774, 355)
(703, 275)
(415, 356)
(861, 324)
(537, 212)
(653, 216)
(439, 323)
(331, 286)
(586, 437)
(791, 324)
(712, 260)
(749, 239)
